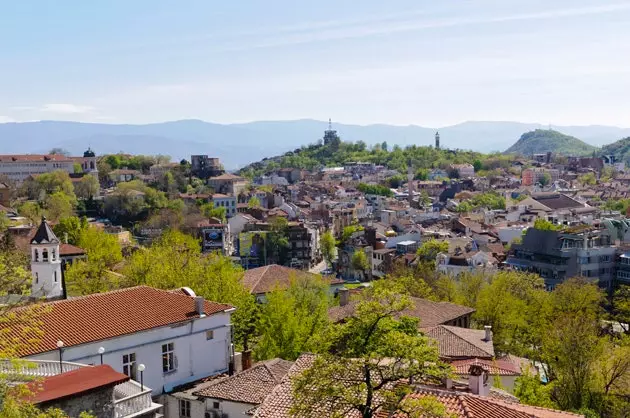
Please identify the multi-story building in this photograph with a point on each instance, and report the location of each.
(531, 176)
(559, 255)
(18, 168)
(204, 167)
(224, 201)
(464, 170)
(300, 251)
(227, 184)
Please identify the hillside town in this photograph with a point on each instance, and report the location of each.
(416, 282)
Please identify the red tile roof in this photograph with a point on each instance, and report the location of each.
(249, 386)
(69, 249)
(458, 402)
(428, 312)
(494, 367)
(107, 315)
(456, 342)
(34, 157)
(264, 279)
(75, 383)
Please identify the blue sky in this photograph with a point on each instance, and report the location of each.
(430, 63)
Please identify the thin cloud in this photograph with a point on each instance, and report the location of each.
(66, 108)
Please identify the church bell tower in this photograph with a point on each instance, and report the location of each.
(46, 263)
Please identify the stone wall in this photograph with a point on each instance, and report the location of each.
(99, 403)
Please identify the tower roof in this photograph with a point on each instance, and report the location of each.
(44, 234)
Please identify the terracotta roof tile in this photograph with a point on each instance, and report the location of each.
(265, 279)
(456, 342)
(430, 313)
(69, 249)
(106, 315)
(75, 383)
(249, 386)
(494, 367)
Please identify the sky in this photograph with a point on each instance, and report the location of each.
(422, 62)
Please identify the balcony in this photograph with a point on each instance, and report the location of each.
(130, 398)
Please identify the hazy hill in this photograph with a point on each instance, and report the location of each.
(239, 144)
(620, 149)
(544, 140)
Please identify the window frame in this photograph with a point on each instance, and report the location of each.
(184, 408)
(130, 365)
(168, 358)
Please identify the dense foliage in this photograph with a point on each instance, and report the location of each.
(542, 141)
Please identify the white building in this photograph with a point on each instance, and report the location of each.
(20, 166)
(224, 201)
(178, 337)
(46, 263)
(454, 265)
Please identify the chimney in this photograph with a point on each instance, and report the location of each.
(488, 330)
(199, 308)
(238, 362)
(344, 296)
(478, 380)
(247, 359)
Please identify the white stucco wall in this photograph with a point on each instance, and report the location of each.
(196, 357)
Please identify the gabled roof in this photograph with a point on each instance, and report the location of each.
(428, 312)
(44, 234)
(75, 383)
(556, 201)
(494, 367)
(265, 279)
(249, 386)
(459, 402)
(102, 316)
(66, 250)
(456, 342)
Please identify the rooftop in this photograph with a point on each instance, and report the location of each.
(265, 279)
(456, 342)
(430, 313)
(249, 386)
(75, 383)
(106, 315)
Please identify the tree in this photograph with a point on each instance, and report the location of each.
(59, 205)
(32, 211)
(94, 275)
(545, 179)
(384, 146)
(477, 165)
(531, 391)
(277, 240)
(59, 151)
(87, 187)
(72, 227)
(292, 319)
(588, 179)
(327, 247)
(76, 167)
(360, 261)
(175, 260)
(210, 211)
(621, 307)
(395, 181)
(365, 361)
(253, 202)
(53, 182)
(429, 250)
(545, 225)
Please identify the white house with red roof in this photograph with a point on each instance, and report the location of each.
(177, 336)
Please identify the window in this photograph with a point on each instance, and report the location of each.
(184, 408)
(129, 365)
(36, 255)
(54, 255)
(168, 357)
(209, 334)
(216, 405)
(55, 276)
(44, 254)
(36, 277)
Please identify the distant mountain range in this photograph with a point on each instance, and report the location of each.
(544, 140)
(239, 144)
